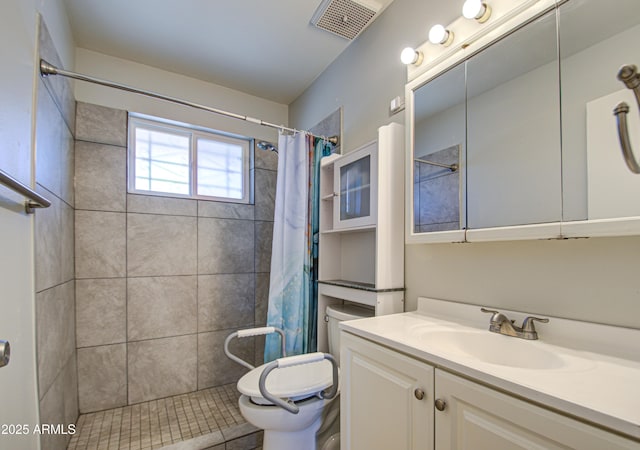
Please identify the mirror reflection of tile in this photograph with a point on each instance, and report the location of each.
(436, 190)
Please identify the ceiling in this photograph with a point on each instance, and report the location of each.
(261, 47)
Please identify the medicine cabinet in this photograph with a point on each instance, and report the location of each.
(519, 123)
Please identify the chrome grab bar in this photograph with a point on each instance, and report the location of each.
(297, 360)
(629, 75)
(35, 200)
(248, 332)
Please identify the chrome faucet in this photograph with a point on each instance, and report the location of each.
(501, 324)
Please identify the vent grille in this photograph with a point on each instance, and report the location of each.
(346, 18)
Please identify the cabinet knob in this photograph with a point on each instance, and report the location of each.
(419, 393)
(440, 404)
(5, 353)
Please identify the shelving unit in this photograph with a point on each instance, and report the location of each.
(364, 264)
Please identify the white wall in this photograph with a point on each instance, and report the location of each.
(588, 279)
(18, 25)
(174, 85)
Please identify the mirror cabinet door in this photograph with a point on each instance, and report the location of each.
(513, 129)
(438, 153)
(596, 39)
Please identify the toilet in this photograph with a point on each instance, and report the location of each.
(294, 399)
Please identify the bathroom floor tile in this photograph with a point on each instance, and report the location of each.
(205, 418)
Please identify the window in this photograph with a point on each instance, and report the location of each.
(167, 159)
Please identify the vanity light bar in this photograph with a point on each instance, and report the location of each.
(479, 25)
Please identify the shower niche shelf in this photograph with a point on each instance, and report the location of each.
(361, 243)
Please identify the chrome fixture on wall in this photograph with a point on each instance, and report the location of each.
(47, 69)
(629, 75)
(35, 200)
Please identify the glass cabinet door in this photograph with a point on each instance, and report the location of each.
(355, 183)
(355, 189)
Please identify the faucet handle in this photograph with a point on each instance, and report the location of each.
(486, 310)
(527, 323)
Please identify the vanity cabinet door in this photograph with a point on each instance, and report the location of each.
(478, 418)
(386, 398)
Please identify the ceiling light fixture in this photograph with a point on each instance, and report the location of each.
(411, 56)
(476, 9)
(440, 35)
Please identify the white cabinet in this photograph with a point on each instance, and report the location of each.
(355, 181)
(387, 398)
(380, 409)
(361, 243)
(476, 417)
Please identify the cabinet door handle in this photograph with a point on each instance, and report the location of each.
(440, 404)
(419, 393)
(5, 353)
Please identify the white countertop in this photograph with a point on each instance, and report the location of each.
(596, 377)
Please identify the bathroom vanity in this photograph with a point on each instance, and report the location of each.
(437, 379)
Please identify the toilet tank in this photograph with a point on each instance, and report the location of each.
(335, 315)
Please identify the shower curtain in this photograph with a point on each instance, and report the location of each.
(293, 281)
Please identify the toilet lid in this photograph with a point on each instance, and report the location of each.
(295, 383)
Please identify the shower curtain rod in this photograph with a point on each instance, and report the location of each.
(47, 69)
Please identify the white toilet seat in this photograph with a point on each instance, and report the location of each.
(295, 383)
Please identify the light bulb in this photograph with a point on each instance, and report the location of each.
(440, 35)
(476, 9)
(411, 56)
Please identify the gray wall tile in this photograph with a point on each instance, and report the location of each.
(153, 204)
(101, 124)
(223, 210)
(161, 306)
(214, 367)
(67, 242)
(265, 181)
(48, 249)
(101, 177)
(55, 329)
(49, 126)
(100, 244)
(262, 298)
(161, 245)
(68, 172)
(102, 377)
(69, 379)
(162, 367)
(59, 87)
(101, 311)
(225, 301)
(225, 246)
(60, 406)
(264, 240)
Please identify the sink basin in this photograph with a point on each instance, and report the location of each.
(494, 348)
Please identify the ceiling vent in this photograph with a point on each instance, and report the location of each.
(347, 18)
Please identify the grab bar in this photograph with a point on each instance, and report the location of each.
(629, 75)
(248, 332)
(451, 167)
(290, 361)
(35, 200)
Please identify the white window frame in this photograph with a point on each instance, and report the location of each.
(193, 133)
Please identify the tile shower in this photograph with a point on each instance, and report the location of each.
(160, 282)
(135, 294)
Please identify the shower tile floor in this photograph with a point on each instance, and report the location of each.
(207, 419)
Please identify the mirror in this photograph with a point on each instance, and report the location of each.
(596, 39)
(513, 130)
(497, 116)
(438, 147)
